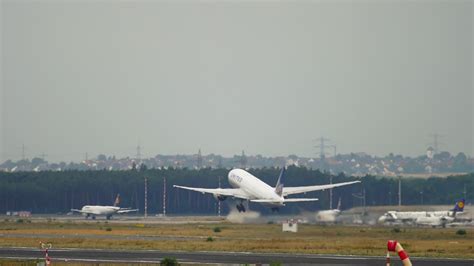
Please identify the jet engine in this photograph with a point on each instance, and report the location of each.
(220, 197)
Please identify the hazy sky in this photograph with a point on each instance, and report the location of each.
(267, 77)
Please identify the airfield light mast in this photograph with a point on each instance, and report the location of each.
(218, 201)
(164, 196)
(322, 154)
(146, 197)
(399, 190)
(365, 203)
(361, 196)
(389, 197)
(330, 193)
(330, 190)
(464, 192)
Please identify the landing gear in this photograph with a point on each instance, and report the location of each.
(240, 207)
(108, 217)
(275, 209)
(93, 217)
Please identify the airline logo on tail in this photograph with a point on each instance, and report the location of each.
(279, 184)
(117, 201)
(459, 207)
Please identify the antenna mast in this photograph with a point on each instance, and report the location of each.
(218, 201)
(164, 196)
(146, 197)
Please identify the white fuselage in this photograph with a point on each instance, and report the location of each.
(254, 187)
(434, 220)
(100, 210)
(328, 216)
(395, 216)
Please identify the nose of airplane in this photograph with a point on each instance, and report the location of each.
(382, 219)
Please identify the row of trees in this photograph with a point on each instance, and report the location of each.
(54, 192)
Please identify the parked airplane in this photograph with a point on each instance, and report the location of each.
(329, 216)
(434, 221)
(423, 217)
(250, 188)
(108, 211)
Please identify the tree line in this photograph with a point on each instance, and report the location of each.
(58, 192)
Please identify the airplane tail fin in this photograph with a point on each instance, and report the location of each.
(279, 184)
(117, 201)
(459, 207)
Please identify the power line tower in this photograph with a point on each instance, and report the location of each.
(139, 152)
(199, 159)
(243, 160)
(436, 143)
(322, 147)
(23, 156)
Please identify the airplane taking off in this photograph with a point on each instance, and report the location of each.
(250, 188)
(108, 211)
(433, 218)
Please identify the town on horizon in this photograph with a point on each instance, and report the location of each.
(357, 164)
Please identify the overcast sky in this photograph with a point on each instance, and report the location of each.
(265, 77)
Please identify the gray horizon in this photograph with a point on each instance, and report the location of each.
(101, 77)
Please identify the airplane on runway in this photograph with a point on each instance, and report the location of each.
(107, 211)
(433, 218)
(250, 188)
(329, 216)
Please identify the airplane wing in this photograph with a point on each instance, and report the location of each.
(126, 210)
(81, 211)
(295, 190)
(301, 200)
(286, 200)
(230, 192)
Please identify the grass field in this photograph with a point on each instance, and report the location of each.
(315, 239)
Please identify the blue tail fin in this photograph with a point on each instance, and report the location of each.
(279, 184)
(459, 207)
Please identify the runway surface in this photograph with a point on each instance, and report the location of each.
(154, 256)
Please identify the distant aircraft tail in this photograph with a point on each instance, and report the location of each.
(117, 201)
(459, 207)
(279, 184)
